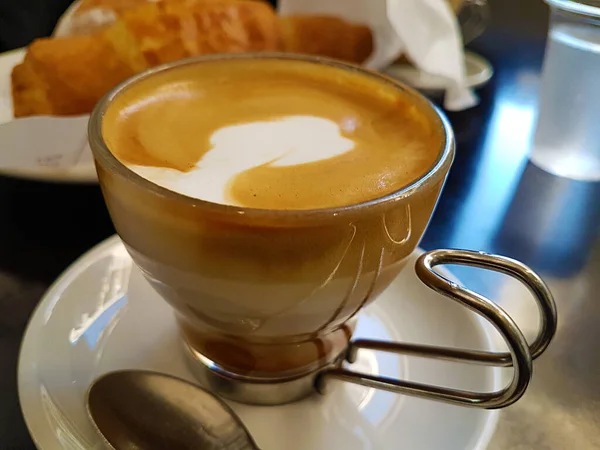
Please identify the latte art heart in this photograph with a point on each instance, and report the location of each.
(239, 148)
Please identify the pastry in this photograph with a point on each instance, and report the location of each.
(68, 75)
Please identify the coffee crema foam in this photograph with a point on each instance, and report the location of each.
(274, 134)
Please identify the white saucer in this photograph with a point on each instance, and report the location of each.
(101, 315)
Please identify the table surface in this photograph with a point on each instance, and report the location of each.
(493, 201)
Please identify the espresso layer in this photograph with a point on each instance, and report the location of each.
(276, 134)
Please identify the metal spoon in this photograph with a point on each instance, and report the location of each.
(135, 409)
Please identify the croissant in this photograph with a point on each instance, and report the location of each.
(67, 76)
(88, 16)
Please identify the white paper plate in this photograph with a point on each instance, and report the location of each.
(479, 71)
(81, 173)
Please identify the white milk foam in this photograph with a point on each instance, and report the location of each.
(289, 141)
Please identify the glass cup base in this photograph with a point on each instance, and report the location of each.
(250, 389)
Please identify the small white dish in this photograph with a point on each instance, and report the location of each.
(101, 315)
(478, 73)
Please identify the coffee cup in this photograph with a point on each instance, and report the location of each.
(266, 290)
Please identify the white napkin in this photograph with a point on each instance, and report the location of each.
(427, 31)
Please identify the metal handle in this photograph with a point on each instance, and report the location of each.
(520, 355)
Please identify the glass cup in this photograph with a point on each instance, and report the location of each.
(566, 136)
(473, 17)
(266, 299)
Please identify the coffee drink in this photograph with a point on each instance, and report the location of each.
(271, 134)
(268, 198)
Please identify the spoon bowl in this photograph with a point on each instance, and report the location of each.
(135, 409)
